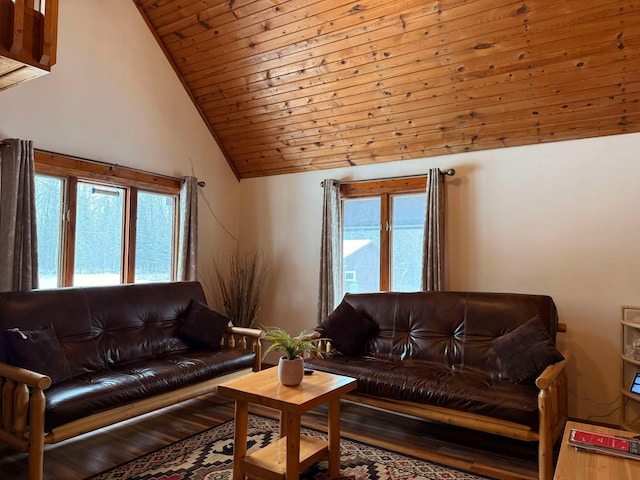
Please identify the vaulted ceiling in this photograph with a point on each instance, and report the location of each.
(296, 85)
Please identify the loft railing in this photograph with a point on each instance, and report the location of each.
(33, 34)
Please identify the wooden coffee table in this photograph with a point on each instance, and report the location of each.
(285, 458)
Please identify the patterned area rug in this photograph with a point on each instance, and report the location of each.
(209, 456)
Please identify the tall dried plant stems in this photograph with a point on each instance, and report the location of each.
(242, 280)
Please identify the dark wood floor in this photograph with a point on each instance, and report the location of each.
(92, 453)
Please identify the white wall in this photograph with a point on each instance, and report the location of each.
(113, 97)
(560, 219)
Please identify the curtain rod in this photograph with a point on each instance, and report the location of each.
(201, 183)
(449, 173)
(107, 164)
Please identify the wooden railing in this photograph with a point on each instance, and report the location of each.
(33, 34)
(28, 39)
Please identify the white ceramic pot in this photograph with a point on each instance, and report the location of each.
(290, 372)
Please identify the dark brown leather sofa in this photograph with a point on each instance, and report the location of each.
(117, 352)
(432, 356)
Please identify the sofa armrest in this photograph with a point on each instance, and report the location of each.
(22, 404)
(22, 375)
(549, 375)
(243, 333)
(247, 332)
(553, 411)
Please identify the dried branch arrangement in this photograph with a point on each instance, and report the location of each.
(242, 280)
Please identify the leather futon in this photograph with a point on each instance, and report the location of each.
(76, 359)
(485, 361)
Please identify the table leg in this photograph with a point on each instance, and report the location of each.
(240, 438)
(293, 446)
(334, 437)
(283, 422)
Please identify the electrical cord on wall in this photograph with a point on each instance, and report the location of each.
(615, 400)
(217, 219)
(210, 208)
(605, 415)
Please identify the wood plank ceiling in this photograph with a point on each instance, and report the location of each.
(296, 85)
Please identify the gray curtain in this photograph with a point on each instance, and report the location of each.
(188, 253)
(433, 249)
(18, 238)
(331, 251)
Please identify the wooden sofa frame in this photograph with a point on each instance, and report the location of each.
(552, 410)
(22, 404)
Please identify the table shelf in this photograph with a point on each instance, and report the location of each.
(270, 462)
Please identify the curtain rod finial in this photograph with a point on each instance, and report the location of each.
(450, 173)
(202, 184)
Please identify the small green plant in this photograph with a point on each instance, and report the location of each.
(307, 342)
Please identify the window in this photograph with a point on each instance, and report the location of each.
(99, 235)
(103, 225)
(49, 201)
(383, 232)
(156, 237)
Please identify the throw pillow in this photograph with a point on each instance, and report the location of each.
(348, 329)
(526, 351)
(203, 326)
(39, 351)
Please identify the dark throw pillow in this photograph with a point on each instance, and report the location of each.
(348, 329)
(526, 351)
(39, 351)
(203, 326)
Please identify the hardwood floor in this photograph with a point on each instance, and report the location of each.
(92, 453)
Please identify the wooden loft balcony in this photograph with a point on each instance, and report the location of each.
(28, 38)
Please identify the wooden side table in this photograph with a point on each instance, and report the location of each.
(574, 464)
(285, 458)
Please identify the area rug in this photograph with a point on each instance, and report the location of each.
(209, 456)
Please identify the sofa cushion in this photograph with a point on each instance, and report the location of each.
(431, 383)
(526, 351)
(203, 326)
(37, 350)
(96, 392)
(348, 329)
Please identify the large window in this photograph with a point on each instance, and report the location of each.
(100, 227)
(383, 232)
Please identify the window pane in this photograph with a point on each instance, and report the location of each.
(154, 237)
(49, 203)
(99, 223)
(407, 234)
(361, 245)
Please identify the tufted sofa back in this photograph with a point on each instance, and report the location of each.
(454, 329)
(104, 327)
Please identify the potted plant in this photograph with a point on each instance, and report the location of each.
(291, 364)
